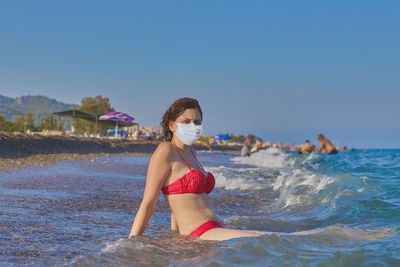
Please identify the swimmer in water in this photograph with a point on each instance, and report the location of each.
(326, 146)
(175, 171)
(306, 148)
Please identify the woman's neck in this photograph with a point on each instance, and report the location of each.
(177, 143)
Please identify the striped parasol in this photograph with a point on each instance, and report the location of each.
(118, 117)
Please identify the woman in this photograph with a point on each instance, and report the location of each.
(175, 170)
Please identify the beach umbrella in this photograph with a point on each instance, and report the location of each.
(223, 137)
(119, 118)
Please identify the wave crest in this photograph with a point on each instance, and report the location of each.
(268, 158)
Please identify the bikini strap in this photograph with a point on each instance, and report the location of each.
(183, 158)
(196, 159)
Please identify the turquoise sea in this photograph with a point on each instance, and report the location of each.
(326, 210)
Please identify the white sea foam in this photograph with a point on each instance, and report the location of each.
(295, 181)
(308, 158)
(269, 158)
(300, 187)
(206, 151)
(241, 178)
(123, 244)
(236, 183)
(114, 246)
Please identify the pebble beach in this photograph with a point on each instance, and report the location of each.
(22, 150)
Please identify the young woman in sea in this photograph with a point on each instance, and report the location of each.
(175, 170)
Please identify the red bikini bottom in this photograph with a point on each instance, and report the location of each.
(207, 226)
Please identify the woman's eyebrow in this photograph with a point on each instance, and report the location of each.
(187, 118)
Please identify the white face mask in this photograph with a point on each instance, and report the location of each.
(188, 133)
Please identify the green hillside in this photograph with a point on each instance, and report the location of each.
(40, 106)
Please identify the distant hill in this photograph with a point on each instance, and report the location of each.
(40, 106)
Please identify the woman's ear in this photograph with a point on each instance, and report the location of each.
(172, 126)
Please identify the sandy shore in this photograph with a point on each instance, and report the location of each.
(21, 150)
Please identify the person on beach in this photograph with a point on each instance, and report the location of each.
(312, 148)
(306, 148)
(246, 148)
(293, 147)
(257, 145)
(175, 170)
(211, 140)
(326, 146)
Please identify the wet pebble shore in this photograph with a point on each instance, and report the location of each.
(21, 150)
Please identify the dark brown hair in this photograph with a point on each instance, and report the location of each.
(174, 111)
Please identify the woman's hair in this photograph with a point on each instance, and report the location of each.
(174, 111)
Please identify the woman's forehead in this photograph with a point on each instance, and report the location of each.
(191, 114)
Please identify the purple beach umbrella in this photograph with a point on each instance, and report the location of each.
(118, 117)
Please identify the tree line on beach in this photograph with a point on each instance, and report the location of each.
(24, 123)
(93, 105)
(28, 121)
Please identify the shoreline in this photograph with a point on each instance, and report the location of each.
(9, 164)
(18, 151)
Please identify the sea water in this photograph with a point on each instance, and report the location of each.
(317, 210)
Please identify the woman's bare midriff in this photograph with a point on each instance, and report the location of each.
(190, 211)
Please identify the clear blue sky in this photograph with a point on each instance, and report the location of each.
(284, 70)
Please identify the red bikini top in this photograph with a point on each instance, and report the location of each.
(194, 182)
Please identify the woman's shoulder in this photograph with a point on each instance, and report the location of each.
(167, 146)
(164, 149)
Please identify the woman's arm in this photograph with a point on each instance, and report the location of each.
(157, 173)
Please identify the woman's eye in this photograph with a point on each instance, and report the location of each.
(188, 121)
